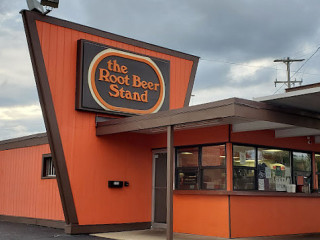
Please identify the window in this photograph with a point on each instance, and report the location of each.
(201, 167)
(188, 168)
(302, 171)
(48, 170)
(317, 162)
(274, 169)
(213, 167)
(244, 168)
(271, 169)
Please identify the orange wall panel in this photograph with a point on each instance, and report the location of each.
(267, 138)
(120, 158)
(208, 135)
(22, 191)
(92, 161)
(266, 216)
(201, 214)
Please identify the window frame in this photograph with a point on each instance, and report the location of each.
(256, 147)
(199, 169)
(316, 173)
(43, 168)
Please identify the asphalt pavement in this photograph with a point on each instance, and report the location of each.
(20, 231)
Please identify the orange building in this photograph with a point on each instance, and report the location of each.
(117, 118)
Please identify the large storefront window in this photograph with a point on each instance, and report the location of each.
(201, 167)
(271, 169)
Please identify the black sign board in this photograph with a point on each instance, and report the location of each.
(114, 81)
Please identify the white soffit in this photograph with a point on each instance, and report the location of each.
(296, 132)
(257, 125)
(305, 99)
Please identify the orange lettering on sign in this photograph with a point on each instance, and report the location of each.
(137, 83)
(104, 75)
(115, 67)
(126, 94)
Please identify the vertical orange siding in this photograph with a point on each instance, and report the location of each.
(208, 135)
(201, 214)
(266, 216)
(92, 161)
(22, 191)
(59, 46)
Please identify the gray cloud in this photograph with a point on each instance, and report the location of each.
(230, 36)
(15, 95)
(238, 29)
(229, 31)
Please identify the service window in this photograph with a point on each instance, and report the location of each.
(244, 167)
(302, 171)
(271, 169)
(274, 169)
(188, 168)
(201, 167)
(48, 170)
(213, 165)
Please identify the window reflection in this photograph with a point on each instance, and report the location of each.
(244, 156)
(302, 174)
(188, 157)
(244, 179)
(214, 179)
(244, 167)
(213, 155)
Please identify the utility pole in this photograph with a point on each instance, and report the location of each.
(288, 61)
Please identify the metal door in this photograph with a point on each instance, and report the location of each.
(159, 188)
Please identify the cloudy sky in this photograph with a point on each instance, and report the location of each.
(237, 41)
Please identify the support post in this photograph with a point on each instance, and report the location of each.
(170, 156)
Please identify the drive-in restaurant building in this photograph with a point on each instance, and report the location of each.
(120, 130)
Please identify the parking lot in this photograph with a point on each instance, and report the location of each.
(20, 231)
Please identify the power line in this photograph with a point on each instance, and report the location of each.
(253, 66)
(235, 63)
(306, 62)
(306, 50)
(279, 89)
